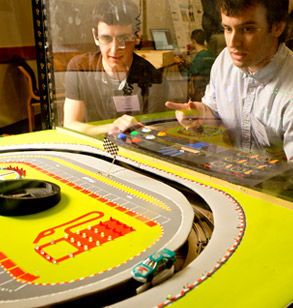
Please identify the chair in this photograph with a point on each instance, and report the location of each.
(33, 99)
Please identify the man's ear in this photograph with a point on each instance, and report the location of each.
(278, 28)
(95, 36)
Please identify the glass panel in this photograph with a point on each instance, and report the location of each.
(134, 90)
(117, 63)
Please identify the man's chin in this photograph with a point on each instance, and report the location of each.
(119, 66)
(239, 64)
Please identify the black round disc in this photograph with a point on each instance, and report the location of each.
(23, 197)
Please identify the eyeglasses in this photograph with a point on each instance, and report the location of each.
(122, 40)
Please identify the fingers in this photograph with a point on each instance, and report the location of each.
(124, 123)
(176, 106)
(190, 123)
(179, 106)
(193, 105)
(189, 114)
(189, 120)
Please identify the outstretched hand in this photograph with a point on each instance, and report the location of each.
(189, 115)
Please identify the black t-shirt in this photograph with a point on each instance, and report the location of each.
(86, 80)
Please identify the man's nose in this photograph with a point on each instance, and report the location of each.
(116, 45)
(234, 39)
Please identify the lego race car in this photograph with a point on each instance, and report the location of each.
(154, 264)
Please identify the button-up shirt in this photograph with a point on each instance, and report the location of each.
(256, 108)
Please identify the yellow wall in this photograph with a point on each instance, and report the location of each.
(16, 23)
(16, 26)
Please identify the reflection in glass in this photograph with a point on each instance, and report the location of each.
(112, 79)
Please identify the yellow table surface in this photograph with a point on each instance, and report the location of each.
(259, 273)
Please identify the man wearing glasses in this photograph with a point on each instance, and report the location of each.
(113, 82)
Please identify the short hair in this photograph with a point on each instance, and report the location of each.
(199, 36)
(117, 12)
(277, 10)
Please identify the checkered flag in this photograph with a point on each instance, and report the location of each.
(110, 147)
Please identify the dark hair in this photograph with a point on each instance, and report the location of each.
(277, 10)
(116, 12)
(199, 36)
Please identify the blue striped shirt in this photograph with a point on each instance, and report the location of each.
(256, 108)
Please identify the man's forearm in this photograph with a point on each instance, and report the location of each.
(89, 129)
